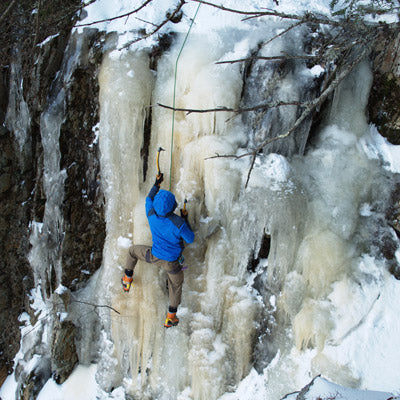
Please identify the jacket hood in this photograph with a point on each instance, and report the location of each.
(164, 202)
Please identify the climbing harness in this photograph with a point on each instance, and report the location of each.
(173, 102)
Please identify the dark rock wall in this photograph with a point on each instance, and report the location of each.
(16, 184)
(83, 202)
(22, 198)
(384, 106)
(384, 112)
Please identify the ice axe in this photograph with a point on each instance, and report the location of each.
(160, 149)
(184, 205)
(184, 212)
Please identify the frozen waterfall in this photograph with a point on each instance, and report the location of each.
(285, 278)
(313, 208)
(218, 309)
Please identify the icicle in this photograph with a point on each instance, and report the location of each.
(46, 237)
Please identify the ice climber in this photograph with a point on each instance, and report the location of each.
(168, 232)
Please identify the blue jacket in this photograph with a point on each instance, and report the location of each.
(168, 229)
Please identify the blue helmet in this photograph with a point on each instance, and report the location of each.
(164, 202)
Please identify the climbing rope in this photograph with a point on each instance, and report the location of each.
(173, 102)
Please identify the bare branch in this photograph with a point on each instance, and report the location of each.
(253, 160)
(306, 113)
(236, 110)
(96, 305)
(117, 17)
(227, 9)
(10, 6)
(169, 18)
(283, 32)
(146, 22)
(308, 17)
(319, 100)
(236, 157)
(272, 58)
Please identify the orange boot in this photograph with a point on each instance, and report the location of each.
(126, 282)
(171, 320)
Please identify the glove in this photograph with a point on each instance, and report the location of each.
(159, 179)
(184, 214)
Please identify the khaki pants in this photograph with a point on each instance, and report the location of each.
(173, 269)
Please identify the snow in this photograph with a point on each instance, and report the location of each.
(323, 389)
(365, 318)
(61, 289)
(378, 147)
(48, 39)
(317, 70)
(251, 387)
(124, 242)
(81, 385)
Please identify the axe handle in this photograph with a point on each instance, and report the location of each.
(158, 165)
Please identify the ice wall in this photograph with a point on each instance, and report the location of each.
(332, 285)
(313, 207)
(211, 349)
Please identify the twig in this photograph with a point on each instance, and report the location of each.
(169, 18)
(118, 16)
(305, 114)
(96, 305)
(272, 58)
(253, 160)
(282, 33)
(308, 17)
(236, 110)
(10, 6)
(226, 8)
(146, 22)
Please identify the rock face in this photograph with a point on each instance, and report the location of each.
(16, 184)
(262, 84)
(83, 202)
(384, 112)
(63, 357)
(384, 107)
(22, 197)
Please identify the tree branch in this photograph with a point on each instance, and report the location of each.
(306, 113)
(308, 17)
(236, 110)
(10, 6)
(169, 18)
(96, 305)
(226, 8)
(118, 16)
(272, 58)
(283, 32)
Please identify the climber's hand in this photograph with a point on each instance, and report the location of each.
(159, 179)
(184, 214)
